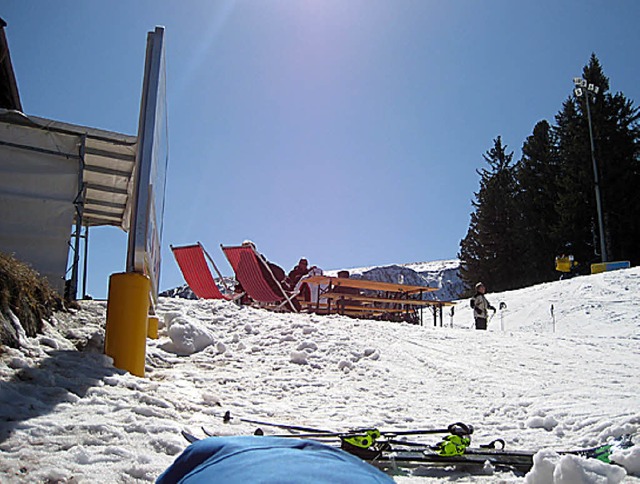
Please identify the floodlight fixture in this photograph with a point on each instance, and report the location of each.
(580, 82)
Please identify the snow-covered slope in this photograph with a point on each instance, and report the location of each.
(69, 416)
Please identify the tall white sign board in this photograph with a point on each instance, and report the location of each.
(145, 235)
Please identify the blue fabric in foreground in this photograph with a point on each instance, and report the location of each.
(268, 460)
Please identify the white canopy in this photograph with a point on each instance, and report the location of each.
(52, 173)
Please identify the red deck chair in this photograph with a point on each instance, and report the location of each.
(194, 267)
(247, 263)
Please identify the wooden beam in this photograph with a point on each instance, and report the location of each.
(386, 300)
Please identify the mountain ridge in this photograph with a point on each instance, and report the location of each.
(442, 274)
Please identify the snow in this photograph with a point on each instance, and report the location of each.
(535, 379)
(549, 467)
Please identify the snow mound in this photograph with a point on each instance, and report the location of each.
(551, 468)
(187, 335)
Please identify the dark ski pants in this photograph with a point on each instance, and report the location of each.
(481, 323)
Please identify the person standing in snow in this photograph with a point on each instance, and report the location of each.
(481, 307)
(308, 291)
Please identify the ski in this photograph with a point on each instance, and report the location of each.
(407, 458)
(603, 452)
(359, 440)
(383, 449)
(189, 437)
(457, 428)
(517, 460)
(392, 458)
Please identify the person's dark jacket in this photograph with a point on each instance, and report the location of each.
(296, 274)
(481, 306)
(278, 273)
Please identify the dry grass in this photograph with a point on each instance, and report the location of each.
(28, 295)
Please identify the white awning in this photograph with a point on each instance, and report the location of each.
(109, 161)
(51, 172)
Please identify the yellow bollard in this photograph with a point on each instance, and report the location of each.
(152, 327)
(127, 312)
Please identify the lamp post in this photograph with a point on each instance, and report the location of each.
(589, 91)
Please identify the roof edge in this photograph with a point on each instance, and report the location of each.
(9, 94)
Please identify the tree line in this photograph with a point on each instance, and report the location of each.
(529, 211)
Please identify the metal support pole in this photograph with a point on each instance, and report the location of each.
(86, 261)
(79, 205)
(596, 180)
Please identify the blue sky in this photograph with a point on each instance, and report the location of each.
(347, 131)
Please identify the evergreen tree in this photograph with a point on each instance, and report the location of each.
(621, 178)
(488, 250)
(524, 215)
(576, 220)
(616, 140)
(536, 200)
(617, 145)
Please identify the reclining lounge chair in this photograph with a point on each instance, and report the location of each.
(194, 268)
(256, 277)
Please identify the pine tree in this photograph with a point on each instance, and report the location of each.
(616, 142)
(536, 199)
(488, 250)
(524, 215)
(617, 145)
(575, 204)
(620, 139)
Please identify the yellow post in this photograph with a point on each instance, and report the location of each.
(152, 327)
(127, 312)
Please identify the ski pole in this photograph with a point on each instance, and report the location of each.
(553, 318)
(457, 428)
(228, 418)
